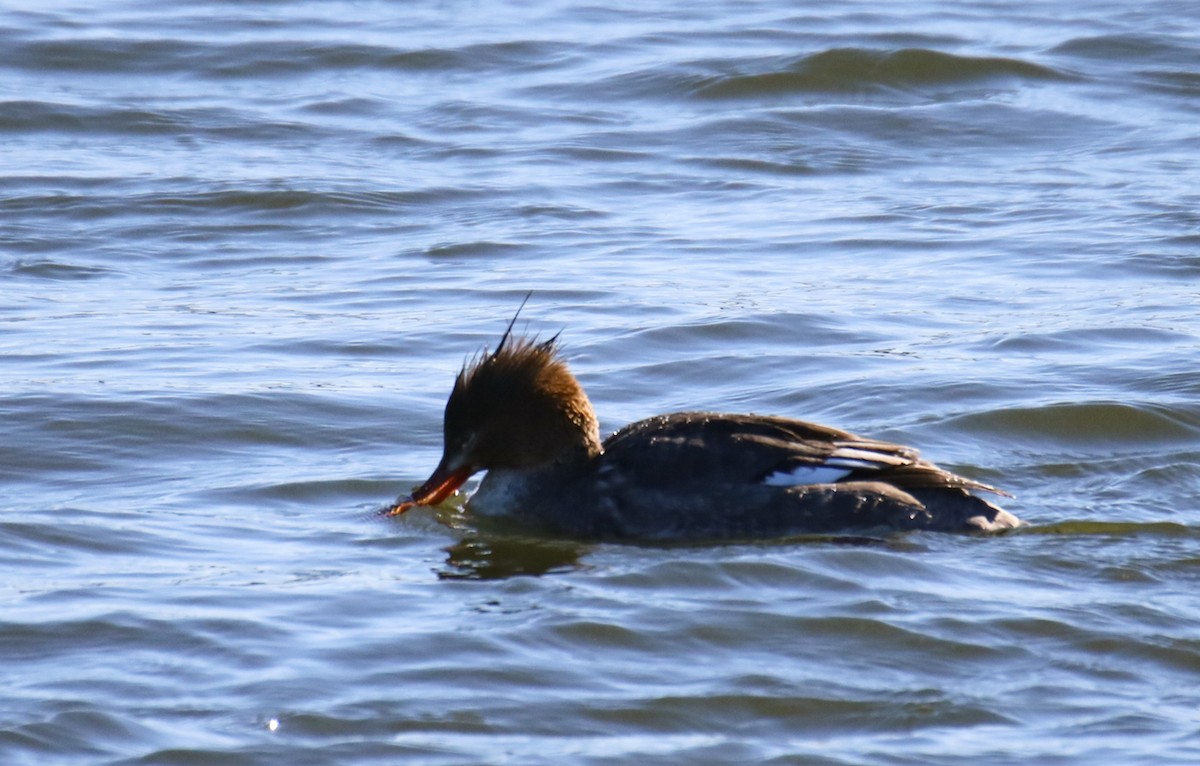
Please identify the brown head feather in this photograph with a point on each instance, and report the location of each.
(519, 406)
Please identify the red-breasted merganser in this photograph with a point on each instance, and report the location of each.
(519, 414)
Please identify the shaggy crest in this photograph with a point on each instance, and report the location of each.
(524, 382)
(518, 365)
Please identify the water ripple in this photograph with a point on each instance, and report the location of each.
(858, 70)
(245, 248)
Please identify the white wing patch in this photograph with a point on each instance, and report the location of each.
(852, 464)
(806, 474)
(841, 463)
(873, 458)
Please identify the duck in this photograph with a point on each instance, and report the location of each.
(518, 415)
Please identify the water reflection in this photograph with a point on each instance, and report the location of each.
(488, 557)
(491, 550)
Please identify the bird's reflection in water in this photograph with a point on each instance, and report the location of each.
(490, 550)
(496, 557)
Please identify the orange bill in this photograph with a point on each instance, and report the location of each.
(441, 485)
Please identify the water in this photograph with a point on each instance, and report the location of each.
(245, 247)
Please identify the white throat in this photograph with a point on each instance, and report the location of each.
(500, 493)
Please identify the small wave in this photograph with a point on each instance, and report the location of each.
(44, 268)
(459, 250)
(57, 117)
(59, 537)
(1114, 529)
(1123, 48)
(257, 60)
(112, 55)
(107, 55)
(1087, 340)
(1111, 423)
(859, 69)
(249, 201)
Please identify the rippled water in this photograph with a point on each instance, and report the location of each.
(244, 247)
